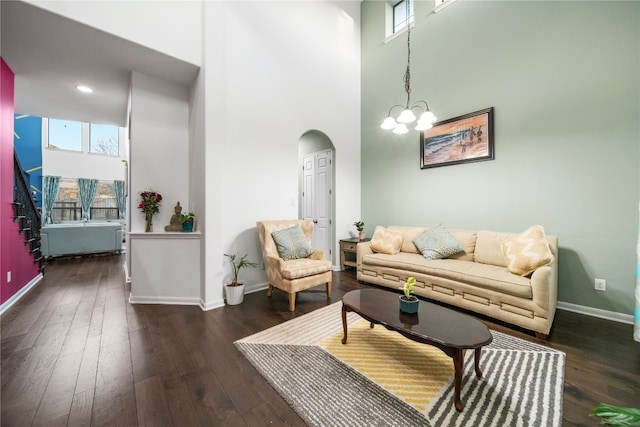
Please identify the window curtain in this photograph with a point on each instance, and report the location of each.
(636, 328)
(121, 202)
(86, 193)
(50, 185)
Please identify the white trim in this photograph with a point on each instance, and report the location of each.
(26, 288)
(164, 235)
(127, 277)
(210, 306)
(163, 300)
(596, 312)
(399, 33)
(442, 5)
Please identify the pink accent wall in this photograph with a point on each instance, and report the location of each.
(14, 254)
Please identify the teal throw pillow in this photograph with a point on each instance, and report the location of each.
(437, 243)
(292, 243)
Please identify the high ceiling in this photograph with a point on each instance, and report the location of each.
(50, 55)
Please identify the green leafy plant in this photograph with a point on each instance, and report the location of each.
(407, 288)
(187, 217)
(239, 264)
(616, 416)
(359, 225)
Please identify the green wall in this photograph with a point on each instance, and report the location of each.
(563, 80)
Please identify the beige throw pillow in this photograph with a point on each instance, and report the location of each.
(527, 251)
(385, 241)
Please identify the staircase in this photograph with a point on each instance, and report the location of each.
(26, 214)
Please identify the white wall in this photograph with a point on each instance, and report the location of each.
(75, 164)
(159, 147)
(273, 71)
(168, 26)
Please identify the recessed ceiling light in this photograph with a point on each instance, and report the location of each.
(85, 89)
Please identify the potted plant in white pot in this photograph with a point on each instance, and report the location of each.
(409, 303)
(234, 290)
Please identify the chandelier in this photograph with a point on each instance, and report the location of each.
(427, 118)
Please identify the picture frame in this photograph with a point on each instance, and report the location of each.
(462, 139)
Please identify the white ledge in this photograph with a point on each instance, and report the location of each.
(164, 235)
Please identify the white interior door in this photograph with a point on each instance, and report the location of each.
(316, 197)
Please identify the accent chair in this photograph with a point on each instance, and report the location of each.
(293, 275)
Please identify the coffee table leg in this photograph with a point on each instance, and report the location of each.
(458, 359)
(344, 324)
(477, 360)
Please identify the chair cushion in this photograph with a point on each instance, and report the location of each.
(527, 251)
(385, 241)
(292, 243)
(304, 267)
(437, 243)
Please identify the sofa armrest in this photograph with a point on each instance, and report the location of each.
(363, 248)
(544, 282)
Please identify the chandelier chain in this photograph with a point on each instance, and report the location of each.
(407, 74)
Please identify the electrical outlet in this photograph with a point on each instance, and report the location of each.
(600, 285)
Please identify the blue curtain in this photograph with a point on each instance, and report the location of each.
(121, 202)
(50, 185)
(86, 193)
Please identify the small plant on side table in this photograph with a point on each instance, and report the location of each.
(360, 227)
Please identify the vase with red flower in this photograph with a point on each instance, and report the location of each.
(149, 205)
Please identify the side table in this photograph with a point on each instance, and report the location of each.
(349, 246)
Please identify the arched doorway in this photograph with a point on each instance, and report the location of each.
(316, 157)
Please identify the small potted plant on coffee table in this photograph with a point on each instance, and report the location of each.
(234, 290)
(409, 303)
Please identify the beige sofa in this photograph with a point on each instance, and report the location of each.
(476, 279)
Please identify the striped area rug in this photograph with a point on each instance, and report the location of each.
(381, 378)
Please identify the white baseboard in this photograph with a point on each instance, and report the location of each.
(596, 312)
(127, 278)
(26, 288)
(211, 305)
(163, 300)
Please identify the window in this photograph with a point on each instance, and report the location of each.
(103, 139)
(65, 135)
(400, 16)
(68, 207)
(104, 204)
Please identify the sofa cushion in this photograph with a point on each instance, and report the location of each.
(437, 243)
(408, 234)
(292, 243)
(385, 241)
(467, 240)
(489, 248)
(527, 251)
(491, 277)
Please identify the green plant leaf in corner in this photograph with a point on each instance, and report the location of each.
(616, 416)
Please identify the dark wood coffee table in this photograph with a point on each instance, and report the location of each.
(448, 330)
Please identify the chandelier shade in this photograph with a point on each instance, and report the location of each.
(427, 118)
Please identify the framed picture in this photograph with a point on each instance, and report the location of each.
(463, 139)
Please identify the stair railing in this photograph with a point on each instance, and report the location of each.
(26, 212)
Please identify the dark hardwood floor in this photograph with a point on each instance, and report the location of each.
(75, 352)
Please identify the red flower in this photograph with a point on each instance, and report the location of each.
(150, 202)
